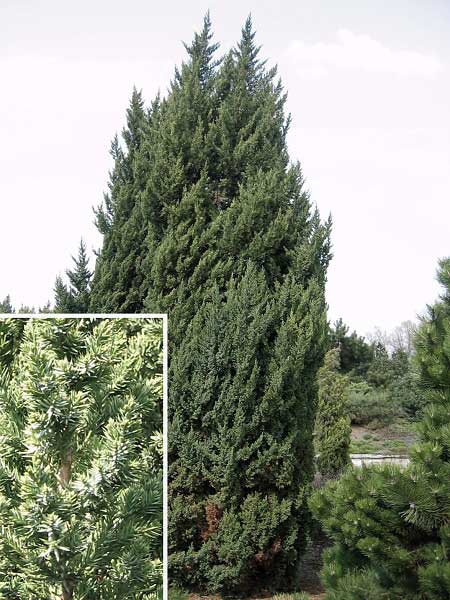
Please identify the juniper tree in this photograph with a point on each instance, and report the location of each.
(389, 525)
(213, 209)
(332, 427)
(74, 298)
(80, 474)
(244, 198)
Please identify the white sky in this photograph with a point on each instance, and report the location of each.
(369, 92)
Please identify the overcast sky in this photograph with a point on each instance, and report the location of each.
(369, 93)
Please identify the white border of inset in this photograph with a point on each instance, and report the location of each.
(165, 401)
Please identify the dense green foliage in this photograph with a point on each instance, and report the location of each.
(332, 427)
(356, 354)
(206, 219)
(80, 459)
(390, 526)
(241, 452)
(74, 298)
(384, 379)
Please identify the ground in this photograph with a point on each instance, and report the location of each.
(395, 438)
(293, 596)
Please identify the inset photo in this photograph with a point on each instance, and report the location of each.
(81, 457)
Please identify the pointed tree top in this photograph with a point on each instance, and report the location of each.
(80, 276)
(201, 43)
(247, 53)
(201, 50)
(247, 30)
(132, 134)
(247, 43)
(81, 252)
(136, 102)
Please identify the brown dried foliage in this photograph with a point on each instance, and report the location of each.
(213, 514)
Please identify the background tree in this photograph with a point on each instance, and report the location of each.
(332, 427)
(74, 298)
(384, 385)
(390, 526)
(356, 354)
(402, 338)
(80, 474)
(6, 306)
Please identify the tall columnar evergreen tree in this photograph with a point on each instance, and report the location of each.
(332, 428)
(391, 526)
(220, 233)
(80, 464)
(74, 298)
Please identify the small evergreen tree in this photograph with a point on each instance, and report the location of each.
(74, 298)
(6, 306)
(390, 526)
(380, 372)
(356, 354)
(332, 428)
(80, 459)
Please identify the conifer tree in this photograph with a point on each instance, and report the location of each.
(332, 428)
(6, 306)
(74, 298)
(390, 525)
(80, 459)
(119, 218)
(356, 355)
(211, 211)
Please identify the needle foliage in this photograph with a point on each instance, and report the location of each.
(208, 220)
(80, 459)
(390, 526)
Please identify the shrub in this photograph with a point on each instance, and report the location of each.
(332, 428)
(367, 405)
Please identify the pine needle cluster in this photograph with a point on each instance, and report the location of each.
(80, 459)
(390, 525)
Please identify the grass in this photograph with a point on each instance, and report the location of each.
(176, 593)
(364, 447)
(372, 444)
(179, 594)
(396, 438)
